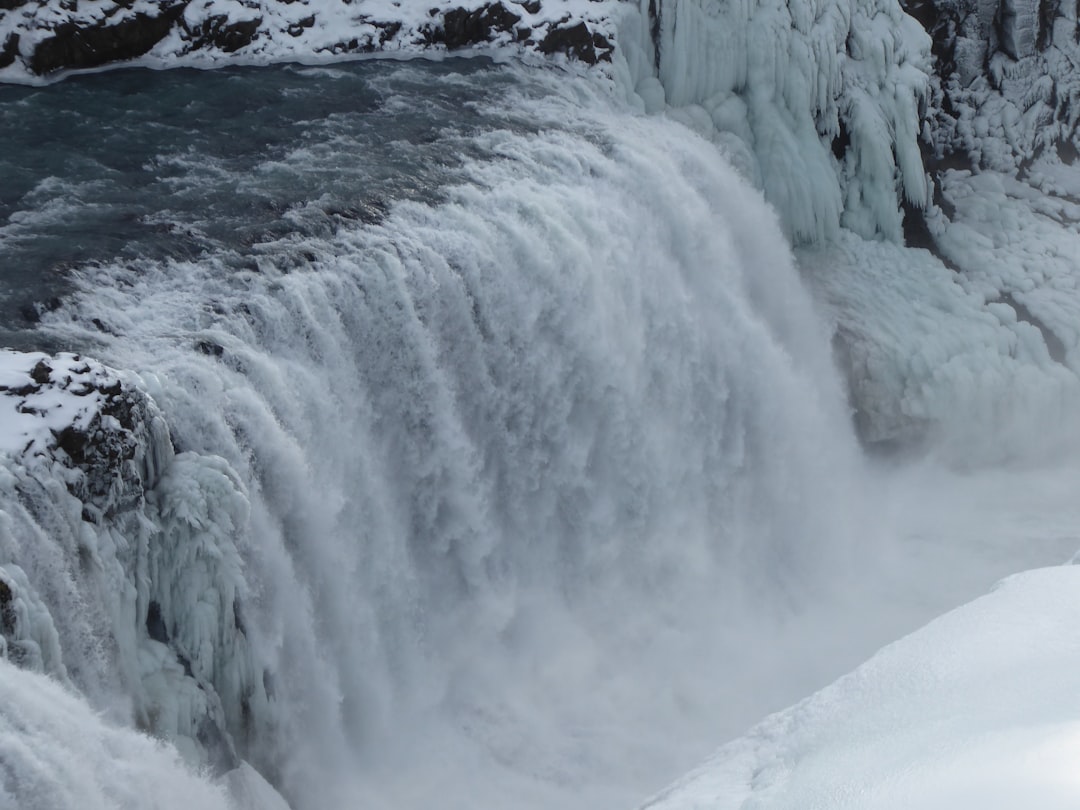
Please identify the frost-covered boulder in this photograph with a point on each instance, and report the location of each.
(977, 709)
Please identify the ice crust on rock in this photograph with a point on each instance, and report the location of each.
(1005, 88)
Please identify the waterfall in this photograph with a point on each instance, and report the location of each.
(500, 479)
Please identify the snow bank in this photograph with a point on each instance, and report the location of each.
(977, 709)
(38, 38)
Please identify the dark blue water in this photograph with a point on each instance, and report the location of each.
(137, 164)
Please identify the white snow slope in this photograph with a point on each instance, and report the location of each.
(979, 709)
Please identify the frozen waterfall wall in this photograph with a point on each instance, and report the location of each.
(820, 103)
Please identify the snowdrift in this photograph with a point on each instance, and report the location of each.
(977, 709)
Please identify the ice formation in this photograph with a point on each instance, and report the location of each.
(118, 556)
(819, 102)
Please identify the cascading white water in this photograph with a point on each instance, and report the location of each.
(526, 469)
(55, 752)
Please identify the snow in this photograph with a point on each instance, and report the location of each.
(977, 709)
(30, 420)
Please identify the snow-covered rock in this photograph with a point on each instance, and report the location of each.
(977, 709)
(40, 38)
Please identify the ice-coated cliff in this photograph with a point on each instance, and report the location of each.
(119, 575)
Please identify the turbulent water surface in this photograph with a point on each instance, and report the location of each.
(549, 476)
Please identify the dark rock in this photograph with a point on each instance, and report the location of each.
(841, 142)
(463, 28)
(41, 373)
(29, 312)
(917, 232)
(218, 32)
(531, 6)
(73, 442)
(155, 624)
(185, 662)
(22, 390)
(297, 28)
(388, 31)
(577, 42)
(238, 617)
(7, 612)
(210, 349)
(74, 47)
(1068, 152)
(10, 48)
(11, 5)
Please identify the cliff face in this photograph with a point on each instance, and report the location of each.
(41, 38)
(1005, 84)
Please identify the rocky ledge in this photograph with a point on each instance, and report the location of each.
(42, 38)
(76, 412)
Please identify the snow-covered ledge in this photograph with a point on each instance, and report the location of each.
(977, 709)
(42, 38)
